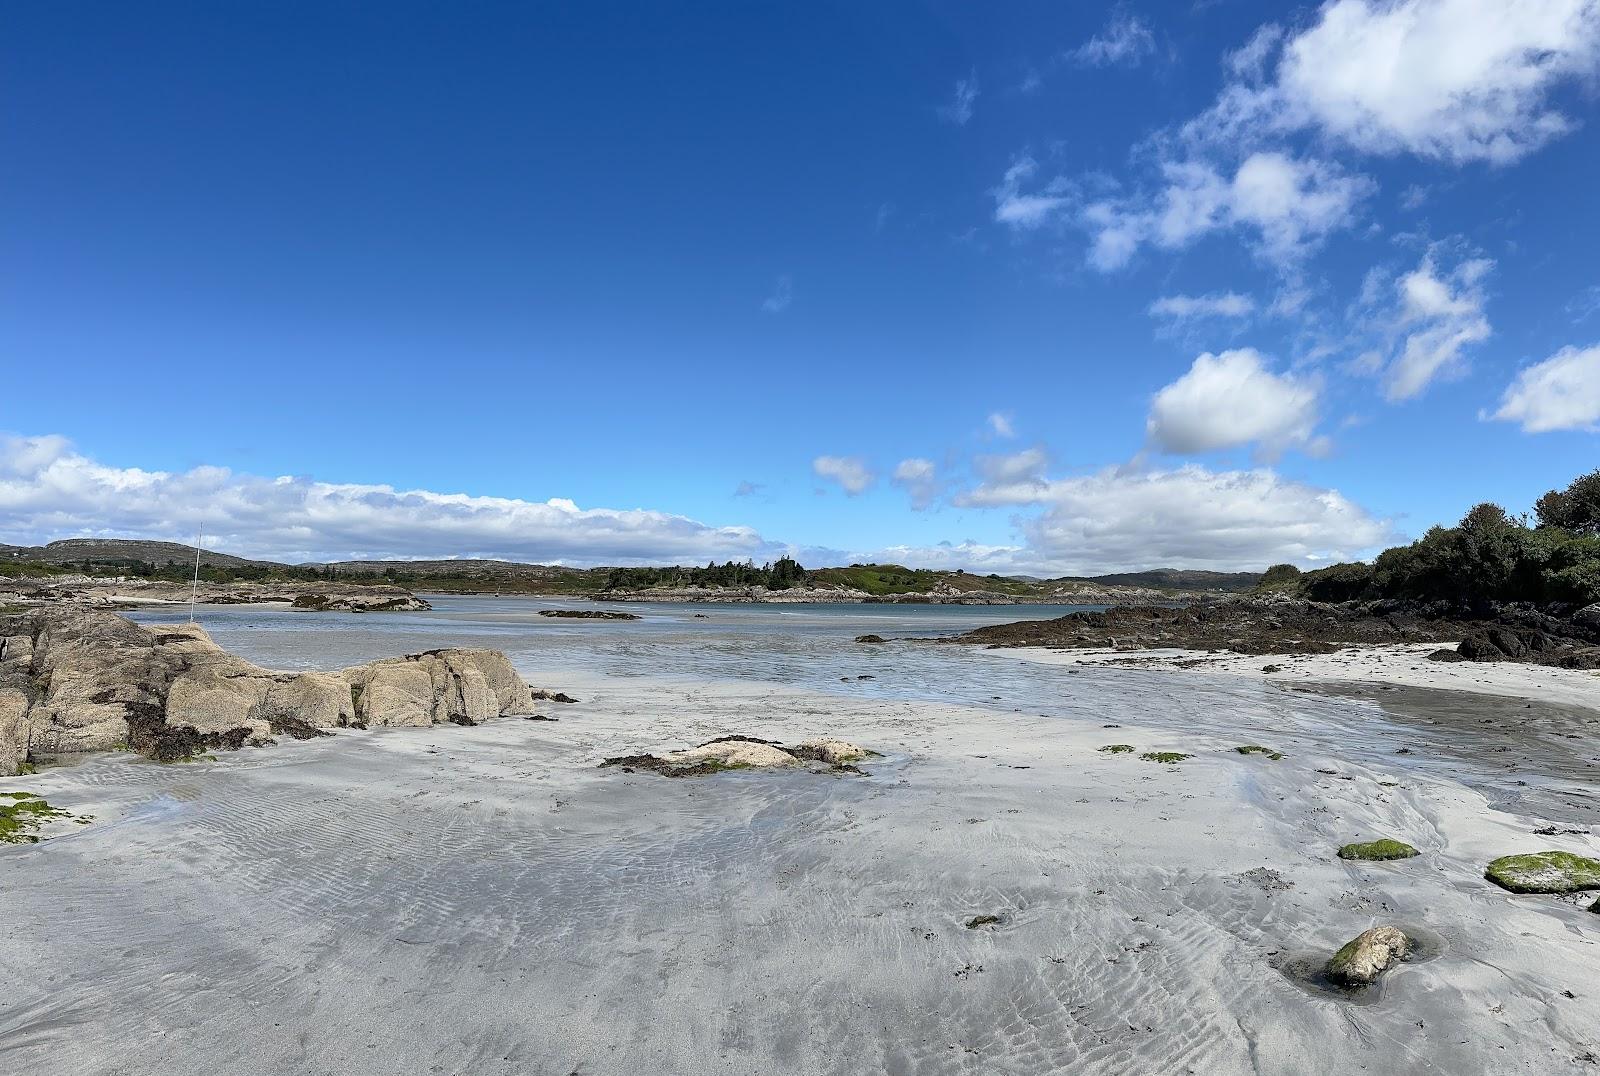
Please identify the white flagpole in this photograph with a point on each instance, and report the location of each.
(194, 589)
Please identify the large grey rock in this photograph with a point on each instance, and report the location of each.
(1368, 955)
(90, 681)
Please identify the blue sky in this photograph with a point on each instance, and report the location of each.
(1106, 286)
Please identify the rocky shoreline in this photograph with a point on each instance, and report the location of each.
(1088, 595)
(128, 593)
(74, 681)
(1295, 626)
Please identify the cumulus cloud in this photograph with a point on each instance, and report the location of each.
(1287, 205)
(1437, 317)
(1125, 41)
(49, 490)
(782, 295)
(961, 105)
(1234, 399)
(1225, 304)
(920, 479)
(1121, 519)
(850, 472)
(1560, 393)
(1458, 80)
(1453, 80)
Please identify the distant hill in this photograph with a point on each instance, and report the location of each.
(135, 557)
(114, 551)
(1183, 579)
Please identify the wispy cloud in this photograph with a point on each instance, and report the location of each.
(1225, 304)
(1000, 424)
(1125, 41)
(782, 295)
(962, 102)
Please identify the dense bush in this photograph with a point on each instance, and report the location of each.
(1488, 557)
(1279, 574)
(1337, 582)
(782, 574)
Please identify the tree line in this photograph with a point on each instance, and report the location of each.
(1548, 557)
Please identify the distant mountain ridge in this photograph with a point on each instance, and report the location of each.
(514, 576)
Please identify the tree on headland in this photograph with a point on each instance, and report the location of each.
(1488, 557)
(1575, 509)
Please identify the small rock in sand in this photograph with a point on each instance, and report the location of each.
(1368, 955)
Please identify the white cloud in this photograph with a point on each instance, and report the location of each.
(1025, 466)
(960, 108)
(1438, 316)
(851, 472)
(1226, 304)
(1560, 393)
(1120, 520)
(1250, 60)
(1233, 399)
(1454, 80)
(1290, 205)
(1000, 425)
(782, 295)
(49, 490)
(1028, 211)
(1457, 80)
(920, 479)
(1125, 41)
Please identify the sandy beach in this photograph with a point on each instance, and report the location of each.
(490, 900)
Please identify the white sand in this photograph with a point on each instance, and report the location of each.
(1402, 665)
(487, 900)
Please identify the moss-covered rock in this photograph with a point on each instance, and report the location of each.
(1383, 848)
(1544, 872)
(1117, 749)
(1172, 757)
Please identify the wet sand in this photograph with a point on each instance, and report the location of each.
(488, 900)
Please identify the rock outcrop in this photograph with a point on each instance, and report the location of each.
(121, 593)
(1368, 955)
(745, 753)
(76, 680)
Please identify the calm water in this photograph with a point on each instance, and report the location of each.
(812, 647)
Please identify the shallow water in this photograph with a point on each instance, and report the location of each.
(1535, 757)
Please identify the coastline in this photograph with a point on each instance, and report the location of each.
(1404, 665)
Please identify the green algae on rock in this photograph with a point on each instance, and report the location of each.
(21, 818)
(1544, 872)
(1257, 749)
(1383, 848)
